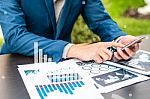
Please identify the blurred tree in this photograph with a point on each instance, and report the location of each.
(1, 42)
(81, 33)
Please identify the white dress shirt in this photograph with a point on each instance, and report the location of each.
(58, 5)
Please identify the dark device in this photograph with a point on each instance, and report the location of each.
(133, 42)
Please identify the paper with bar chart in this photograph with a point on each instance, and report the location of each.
(52, 81)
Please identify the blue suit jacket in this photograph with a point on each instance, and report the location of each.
(27, 21)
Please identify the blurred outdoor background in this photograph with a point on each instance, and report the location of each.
(124, 12)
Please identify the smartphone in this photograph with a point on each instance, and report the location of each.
(133, 42)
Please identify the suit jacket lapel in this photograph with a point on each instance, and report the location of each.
(63, 17)
(51, 11)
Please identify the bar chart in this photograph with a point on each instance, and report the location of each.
(66, 88)
(64, 77)
(64, 83)
(38, 55)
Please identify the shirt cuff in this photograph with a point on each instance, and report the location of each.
(66, 49)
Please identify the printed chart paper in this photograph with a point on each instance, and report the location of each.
(107, 78)
(54, 81)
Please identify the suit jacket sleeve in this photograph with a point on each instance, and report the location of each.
(99, 21)
(18, 39)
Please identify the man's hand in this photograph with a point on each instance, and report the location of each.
(97, 51)
(128, 52)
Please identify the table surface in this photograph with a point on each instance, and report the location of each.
(12, 86)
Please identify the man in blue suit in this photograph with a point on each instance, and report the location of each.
(27, 21)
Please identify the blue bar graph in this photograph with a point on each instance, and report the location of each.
(39, 92)
(59, 88)
(64, 77)
(81, 82)
(50, 88)
(71, 86)
(65, 90)
(74, 84)
(54, 87)
(66, 87)
(78, 84)
(46, 88)
(43, 91)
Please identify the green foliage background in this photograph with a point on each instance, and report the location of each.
(116, 9)
(1, 41)
(81, 33)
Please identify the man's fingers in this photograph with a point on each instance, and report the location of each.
(115, 44)
(129, 52)
(135, 47)
(117, 56)
(103, 55)
(122, 54)
(109, 53)
(98, 59)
